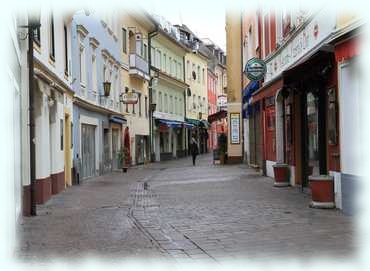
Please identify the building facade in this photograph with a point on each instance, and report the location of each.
(298, 108)
(168, 93)
(197, 95)
(97, 113)
(234, 86)
(52, 105)
(135, 29)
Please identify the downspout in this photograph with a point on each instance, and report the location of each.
(31, 120)
(185, 97)
(150, 36)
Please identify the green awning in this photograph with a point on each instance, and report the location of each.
(193, 121)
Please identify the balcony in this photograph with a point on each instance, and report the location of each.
(139, 67)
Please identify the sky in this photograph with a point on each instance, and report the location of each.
(205, 23)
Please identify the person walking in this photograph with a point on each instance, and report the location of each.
(194, 149)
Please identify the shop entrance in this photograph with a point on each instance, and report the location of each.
(313, 134)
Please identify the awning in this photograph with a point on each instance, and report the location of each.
(193, 122)
(171, 123)
(267, 90)
(217, 116)
(118, 119)
(247, 94)
(188, 125)
(204, 123)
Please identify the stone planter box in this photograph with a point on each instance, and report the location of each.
(322, 191)
(281, 174)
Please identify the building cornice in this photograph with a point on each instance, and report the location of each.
(90, 106)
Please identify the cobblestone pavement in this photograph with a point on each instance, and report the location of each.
(177, 211)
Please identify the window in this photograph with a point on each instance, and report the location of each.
(145, 52)
(176, 107)
(198, 74)
(37, 36)
(193, 72)
(171, 104)
(152, 56)
(174, 68)
(139, 104)
(133, 105)
(194, 104)
(61, 135)
(266, 34)
(52, 38)
(82, 64)
(158, 59)
(164, 62)
(146, 106)
(180, 107)
(188, 69)
(199, 103)
(170, 65)
(65, 50)
(160, 101)
(179, 70)
(204, 105)
(165, 103)
(139, 45)
(94, 77)
(124, 40)
(203, 77)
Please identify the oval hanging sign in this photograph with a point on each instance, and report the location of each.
(255, 69)
(129, 98)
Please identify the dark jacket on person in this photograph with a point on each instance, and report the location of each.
(194, 148)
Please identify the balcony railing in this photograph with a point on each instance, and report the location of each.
(138, 64)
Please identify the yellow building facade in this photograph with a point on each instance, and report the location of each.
(234, 86)
(135, 78)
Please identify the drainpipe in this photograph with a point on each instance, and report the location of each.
(31, 118)
(185, 97)
(150, 36)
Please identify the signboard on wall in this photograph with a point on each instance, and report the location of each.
(235, 128)
(319, 27)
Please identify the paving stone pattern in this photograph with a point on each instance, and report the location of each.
(175, 211)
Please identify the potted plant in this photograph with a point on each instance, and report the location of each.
(281, 174)
(322, 191)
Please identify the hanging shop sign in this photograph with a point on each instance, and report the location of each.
(235, 128)
(222, 101)
(255, 69)
(129, 98)
(314, 31)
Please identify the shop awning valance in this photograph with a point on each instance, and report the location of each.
(118, 119)
(247, 94)
(171, 123)
(193, 122)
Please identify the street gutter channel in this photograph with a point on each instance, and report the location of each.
(141, 199)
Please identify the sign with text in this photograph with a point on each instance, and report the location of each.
(309, 35)
(235, 128)
(129, 98)
(222, 101)
(255, 69)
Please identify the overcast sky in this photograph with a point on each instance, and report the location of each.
(205, 23)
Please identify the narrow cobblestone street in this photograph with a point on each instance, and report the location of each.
(177, 211)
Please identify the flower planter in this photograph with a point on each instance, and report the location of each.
(322, 191)
(281, 174)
